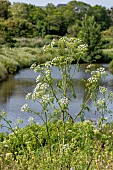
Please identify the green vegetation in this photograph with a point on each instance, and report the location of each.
(26, 20)
(61, 142)
(91, 35)
(85, 147)
(11, 60)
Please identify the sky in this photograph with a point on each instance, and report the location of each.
(106, 3)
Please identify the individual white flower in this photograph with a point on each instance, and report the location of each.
(101, 103)
(92, 80)
(64, 101)
(24, 108)
(31, 120)
(66, 147)
(102, 89)
(38, 78)
(33, 66)
(29, 96)
(48, 64)
(46, 98)
(90, 66)
(37, 68)
(44, 48)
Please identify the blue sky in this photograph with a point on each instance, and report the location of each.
(106, 3)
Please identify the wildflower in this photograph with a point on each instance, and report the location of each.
(28, 96)
(44, 48)
(90, 66)
(102, 89)
(37, 68)
(19, 120)
(46, 98)
(53, 42)
(48, 64)
(66, 147)
(92, 79)
(101, 103)
(31, 120)
(33, 66)
(24, 108)
(64, 101)
(38, 78)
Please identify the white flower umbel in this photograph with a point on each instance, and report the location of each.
(46, 98)
(38, 78)
(64, 101)
(24, 108)
(29, 96)
(101, 103)
(31, 120)
(102, 89)
(92, 80)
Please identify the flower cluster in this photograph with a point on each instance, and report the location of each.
(24, 108)
(90, 66)
(102, 89)
(53, 43)
(38, 78)
(82, 46)
(66, 147)
(96, 75)
(101, 103)
(41, 86)
(29, 96)
(64, 101)
(37, 68)
(92, 79)
(101, 71)
(46, 98)
(31, 120)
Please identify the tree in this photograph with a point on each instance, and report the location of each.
(101, 16)
(4, 6)
(91, 35)
(19, 10)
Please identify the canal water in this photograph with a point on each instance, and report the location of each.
(13, 92)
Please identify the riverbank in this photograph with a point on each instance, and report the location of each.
(14, 59)
(17, 58)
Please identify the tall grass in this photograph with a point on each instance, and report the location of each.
(11, 60)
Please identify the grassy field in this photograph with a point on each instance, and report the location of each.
(11, 60)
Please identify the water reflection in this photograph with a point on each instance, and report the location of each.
(14, 90)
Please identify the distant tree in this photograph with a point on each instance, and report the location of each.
(4, 6)
(19, 10)
(101, 16)
(54, 20)
(91, 35)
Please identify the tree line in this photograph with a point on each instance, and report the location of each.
(27, 20)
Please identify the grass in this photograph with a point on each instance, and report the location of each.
(85, 147)
(11, 60)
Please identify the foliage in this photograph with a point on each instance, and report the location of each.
(11, 60)
(85, 147)
(91, 35)
(61, 143)
(101, 16)
(28, 20)
(4, 6)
